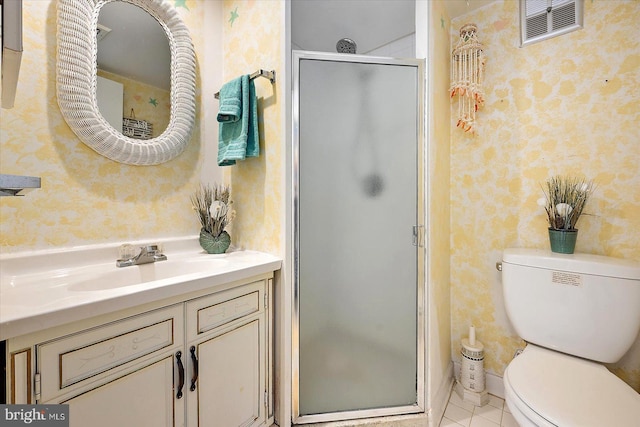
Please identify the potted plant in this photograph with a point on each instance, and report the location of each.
(565, 198)
(214, 211)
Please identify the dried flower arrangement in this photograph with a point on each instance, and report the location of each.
(214, 209)
(565, 198)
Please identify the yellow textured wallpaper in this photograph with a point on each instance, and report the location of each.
(85, 198)
(253, 34)
(567, 105)
(438, 175)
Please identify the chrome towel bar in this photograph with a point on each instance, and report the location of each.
(271, 75)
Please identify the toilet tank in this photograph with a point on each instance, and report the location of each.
(580, 304)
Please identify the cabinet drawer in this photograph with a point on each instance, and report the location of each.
(88, 354)
(212, 311)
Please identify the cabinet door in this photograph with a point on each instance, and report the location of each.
(231, 383)
(75, 363)
(143, 398)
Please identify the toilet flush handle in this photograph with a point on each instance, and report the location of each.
(499, 265)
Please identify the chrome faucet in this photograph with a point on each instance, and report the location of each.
(147, 254)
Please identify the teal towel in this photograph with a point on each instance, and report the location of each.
(230, 109)
(238, 136)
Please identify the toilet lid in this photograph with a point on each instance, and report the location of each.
(569, 391)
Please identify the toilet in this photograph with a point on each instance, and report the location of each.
(575, 312)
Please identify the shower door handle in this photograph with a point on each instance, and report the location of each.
(418, 236)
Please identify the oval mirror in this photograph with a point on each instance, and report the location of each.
(77, 83)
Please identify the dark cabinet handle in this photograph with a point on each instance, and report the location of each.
(194, 360)
(180, 374)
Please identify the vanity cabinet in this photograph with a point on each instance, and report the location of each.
(200, 360)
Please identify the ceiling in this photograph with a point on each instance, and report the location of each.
(318, 24)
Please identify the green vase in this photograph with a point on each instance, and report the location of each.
(214, 244)
(563, 241)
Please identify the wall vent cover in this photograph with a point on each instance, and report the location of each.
(543, 19)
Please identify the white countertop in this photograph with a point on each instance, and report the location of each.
(43, 289)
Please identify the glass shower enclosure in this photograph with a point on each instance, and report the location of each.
(358, 329)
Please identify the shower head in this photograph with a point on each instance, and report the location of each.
(346, 46)
(373, 184)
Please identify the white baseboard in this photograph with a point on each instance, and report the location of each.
(441, 397)
(493, 382)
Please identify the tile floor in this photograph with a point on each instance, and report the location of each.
(460, 413)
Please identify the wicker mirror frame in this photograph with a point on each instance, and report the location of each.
(77, 76)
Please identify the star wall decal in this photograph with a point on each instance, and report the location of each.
(153, 102)
(181, 3)
(234, 16)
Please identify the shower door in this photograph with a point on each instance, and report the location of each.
(358, 283)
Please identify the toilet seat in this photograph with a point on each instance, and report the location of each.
(555, 389)
(525, 416)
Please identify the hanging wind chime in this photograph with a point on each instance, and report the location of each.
(467, 74)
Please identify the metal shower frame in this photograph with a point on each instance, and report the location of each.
(419, 407)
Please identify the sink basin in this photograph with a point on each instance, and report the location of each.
(138, 274)
(108, 276)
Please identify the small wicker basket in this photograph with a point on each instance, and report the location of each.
(137, 129)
